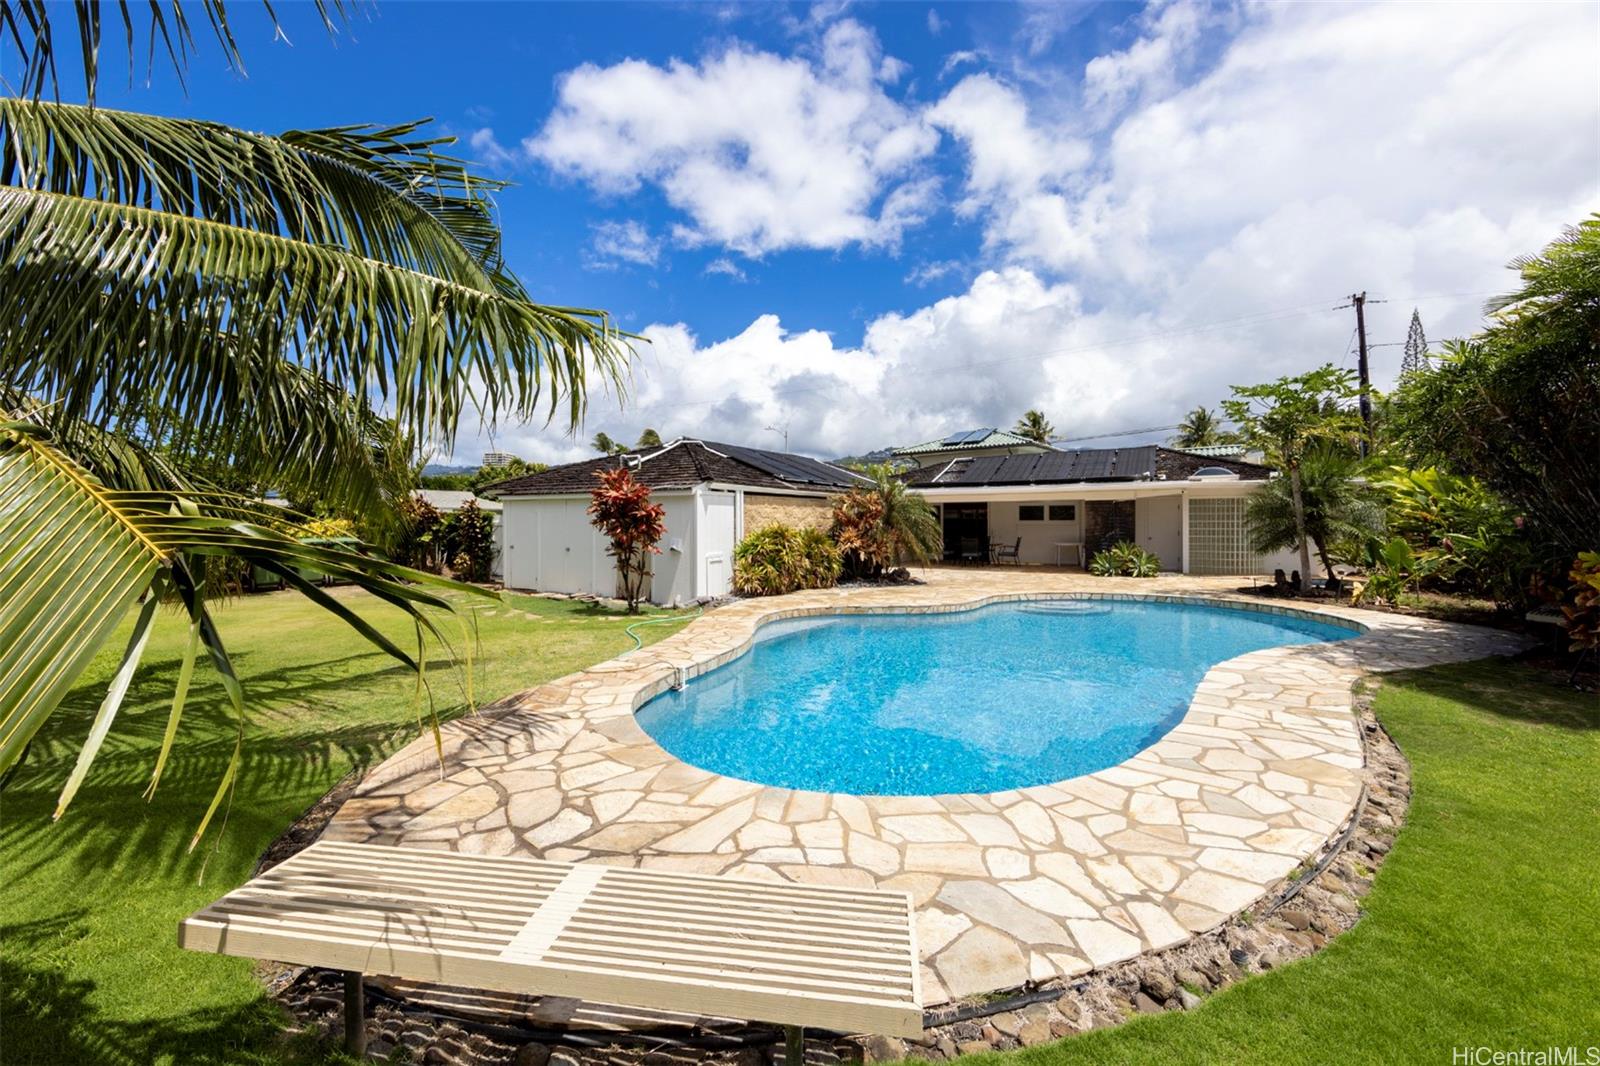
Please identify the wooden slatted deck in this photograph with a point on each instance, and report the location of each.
(799, 955)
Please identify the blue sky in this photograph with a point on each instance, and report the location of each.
(877, 223)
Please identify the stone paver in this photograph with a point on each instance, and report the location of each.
(1012, 886)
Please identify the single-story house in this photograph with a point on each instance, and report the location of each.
(970, 444)
(448, 501)
(713, 494)
(1063, 506)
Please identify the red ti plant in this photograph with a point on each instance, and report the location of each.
(620, 508)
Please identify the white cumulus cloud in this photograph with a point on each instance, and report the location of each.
(1183, 235)
(761, 152)
(627, 241)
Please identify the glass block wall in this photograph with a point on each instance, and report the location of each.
(1218, 542)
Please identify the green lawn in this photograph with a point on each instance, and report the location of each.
(1483, 928)
(89, 967)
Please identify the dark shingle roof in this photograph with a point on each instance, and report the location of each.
(685, 464)
(1087, 464)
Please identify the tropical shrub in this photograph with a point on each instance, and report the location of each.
(1583, 612)
(620, 508)
(326, 529)
(416, 541)
(1392, 568)
(1124, 559)
(1467, 532)
(1340, 511)
(884, 525)
(466, 539)
(1518, 406)
(777, 559)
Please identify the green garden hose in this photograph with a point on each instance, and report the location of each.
(637, 643)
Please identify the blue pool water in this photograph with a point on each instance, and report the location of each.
(980, 701)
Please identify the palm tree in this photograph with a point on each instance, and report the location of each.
(1338, 507)
(1198, 429)
(182, 296)
(603, 444)
(1035, 426)
(883, 524)
(649, 439)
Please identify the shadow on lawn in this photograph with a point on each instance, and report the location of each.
(62, 1025)
(1543, 698)
(110, 826)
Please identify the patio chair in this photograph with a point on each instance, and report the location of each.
(971, 550)
(1012, 554)
(841, 959)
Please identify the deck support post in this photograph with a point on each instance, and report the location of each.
(355, 1015)
(794, 1045)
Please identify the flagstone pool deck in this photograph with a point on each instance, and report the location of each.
(1010, 887)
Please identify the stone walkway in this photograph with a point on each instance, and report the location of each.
(1010, 887)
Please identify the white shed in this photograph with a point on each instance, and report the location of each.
(712, 494)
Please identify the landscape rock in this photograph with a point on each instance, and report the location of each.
(532, 1055)
(1035, 1031)
(882, 1049)
(1145, 1005)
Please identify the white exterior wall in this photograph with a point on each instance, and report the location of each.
(672, 572)
(1038, 538)
(551, 547)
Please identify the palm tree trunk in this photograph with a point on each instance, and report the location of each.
(1300, 525)
(1327, 563)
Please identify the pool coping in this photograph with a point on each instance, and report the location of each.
(1015, 886)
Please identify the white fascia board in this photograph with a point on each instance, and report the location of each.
(728, 486)
(1115, 490)
(536, 496)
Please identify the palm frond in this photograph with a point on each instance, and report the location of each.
(358, 254)
(71, 565)
(76, 555)
(30, 29)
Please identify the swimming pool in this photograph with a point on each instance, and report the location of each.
(1002, 697)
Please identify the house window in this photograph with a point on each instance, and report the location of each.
(1030, 512)
(1063, 512)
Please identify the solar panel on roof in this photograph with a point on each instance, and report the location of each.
(1136, 462)
(797, 468)
(1054, 466)
(1094, 464)
(1018, 468)
(965, 436)
(981, 470)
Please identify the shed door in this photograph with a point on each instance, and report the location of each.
(716, 540)
(565, 550)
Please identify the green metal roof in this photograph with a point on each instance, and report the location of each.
(995, 438)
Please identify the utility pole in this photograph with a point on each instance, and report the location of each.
(1359, 301)
(783, 429)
